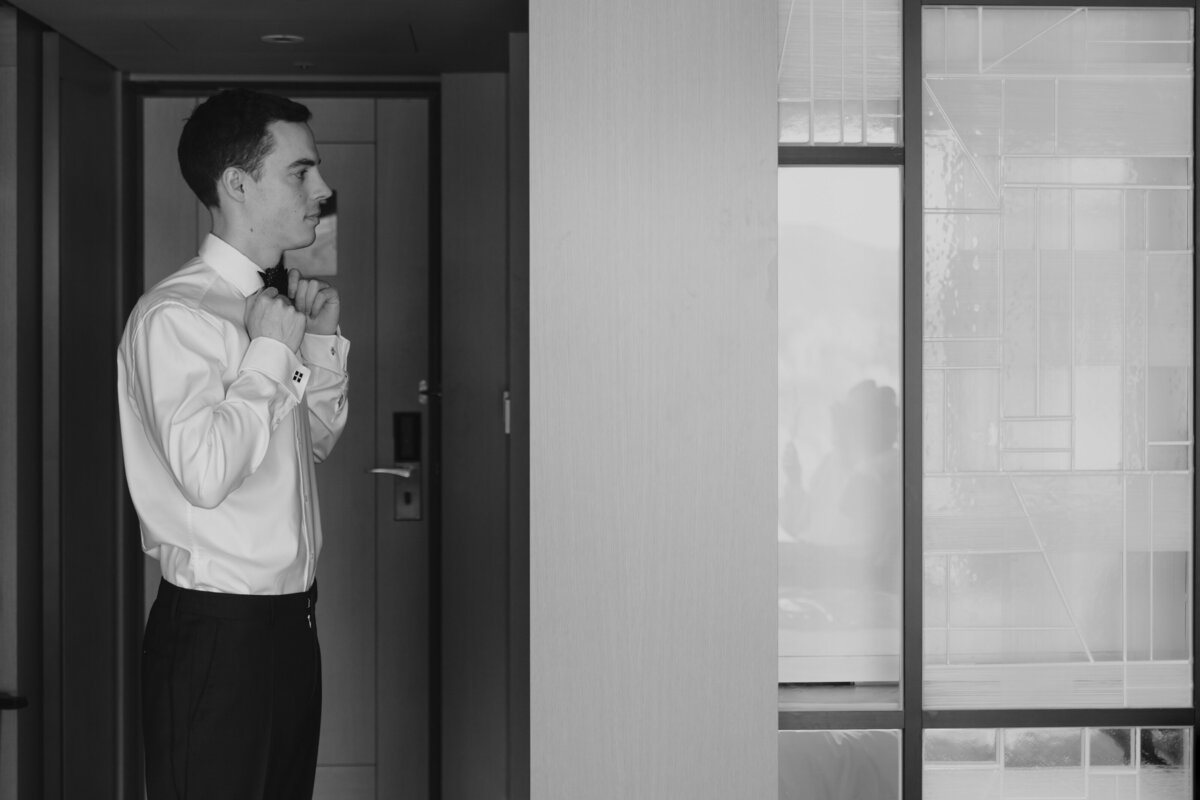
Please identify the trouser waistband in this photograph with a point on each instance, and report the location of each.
(236, 606)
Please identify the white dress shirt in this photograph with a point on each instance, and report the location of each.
(220, 432)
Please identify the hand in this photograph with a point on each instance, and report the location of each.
(270, 315)
(317, 301)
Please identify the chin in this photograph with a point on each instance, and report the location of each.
(302, 242)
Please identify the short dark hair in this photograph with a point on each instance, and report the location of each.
(229, 129)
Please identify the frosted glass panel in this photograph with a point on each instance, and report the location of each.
(1058, 363)
(836, 765)
(1076, 763)
(839, 423)
(1068, 41)
(839, 72)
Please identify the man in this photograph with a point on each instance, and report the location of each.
(228, 391)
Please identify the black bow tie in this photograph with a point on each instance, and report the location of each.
(277, 277)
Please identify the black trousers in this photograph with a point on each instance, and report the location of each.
(231, 696)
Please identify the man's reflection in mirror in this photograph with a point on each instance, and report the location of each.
(840, 538)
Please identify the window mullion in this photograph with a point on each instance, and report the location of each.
(809, 155)
(912, 293)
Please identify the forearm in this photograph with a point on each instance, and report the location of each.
(211, 451)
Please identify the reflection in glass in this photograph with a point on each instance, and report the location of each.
(839, 415)
(1085, 763)
(1058, 364)
(839, 72)
(835, 765)
(1032, 748)
(965, 746)
(1109, 747)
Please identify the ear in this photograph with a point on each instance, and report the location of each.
(232, 184)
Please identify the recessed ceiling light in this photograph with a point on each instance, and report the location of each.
(283, 38)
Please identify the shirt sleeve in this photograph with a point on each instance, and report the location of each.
(210, 436)
(328, 389)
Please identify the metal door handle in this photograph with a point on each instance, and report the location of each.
(406, 488)
(399, 472)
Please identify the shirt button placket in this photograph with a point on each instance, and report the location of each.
(302, 467)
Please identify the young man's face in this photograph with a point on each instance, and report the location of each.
(285, 202)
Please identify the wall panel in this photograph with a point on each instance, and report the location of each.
(474, 529)
(89, 750)
(518, 376)
(652, 399)
(20, 400)
(171, 228)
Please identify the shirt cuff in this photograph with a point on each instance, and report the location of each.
(272, 358)
(325, 350)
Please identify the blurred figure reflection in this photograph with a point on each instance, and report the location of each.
(840, 553)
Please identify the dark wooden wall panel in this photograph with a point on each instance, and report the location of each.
(80, 327)
(474, 593)
(518, 376)
(29, 405)
(20, 399)
(170, 225)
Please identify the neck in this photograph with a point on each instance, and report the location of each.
(245, 241)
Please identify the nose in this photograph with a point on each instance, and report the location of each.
(321, 190)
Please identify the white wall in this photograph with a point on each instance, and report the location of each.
(652, 399)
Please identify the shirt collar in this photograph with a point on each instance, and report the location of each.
(231, 264)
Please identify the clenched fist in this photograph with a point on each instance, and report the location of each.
(271, 315)
(316, 300)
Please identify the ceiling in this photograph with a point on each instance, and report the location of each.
(341, 37)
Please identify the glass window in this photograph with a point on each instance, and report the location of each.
(839, 72)
(1088, 763)
(836, 765)
(839, 432)
(1057, 357)
(1056, 383)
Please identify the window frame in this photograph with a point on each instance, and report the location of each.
(912, 719)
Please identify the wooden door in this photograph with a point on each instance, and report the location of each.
(373, 575)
